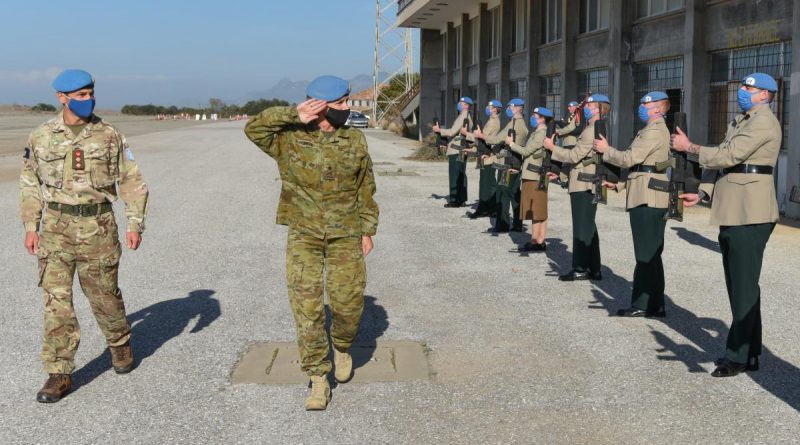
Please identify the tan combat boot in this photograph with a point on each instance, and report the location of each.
(320, 393)
(56, 387)
(122, 358)
(343, 363)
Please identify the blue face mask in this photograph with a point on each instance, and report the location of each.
(643, 116)
(534, 122)
(745, 99)
(460, 107)
(81, 108)
(488, 111)
(510, 112)
(587, 113)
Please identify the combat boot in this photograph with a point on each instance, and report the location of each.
(122, 358)
(56, 387)
(343, 362)
(320, 393)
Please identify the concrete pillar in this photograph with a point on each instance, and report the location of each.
(483, 53)
(793, 151)
(507, 8)
(465, 47)
(696, 71)
(535, 14)
(620, 72)
(449, 107)
(570, 21)
(431, 67)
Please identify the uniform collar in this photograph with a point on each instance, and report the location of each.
(57, 124)
(653, 123)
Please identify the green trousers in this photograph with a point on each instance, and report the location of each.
(508, 196)
(457, 173)
(647, 227)
(585, 240)
(487, 191)
(742, 254)
(341, 262)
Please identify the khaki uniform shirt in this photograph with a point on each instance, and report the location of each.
(327, 183)
(582, 150)
(50, 172)
(650, 146)
(521, 134)
(753, 138)
(491, 128)
(533, 152)
(565, 133)
(454, 133)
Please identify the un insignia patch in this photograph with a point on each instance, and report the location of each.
(129, 154)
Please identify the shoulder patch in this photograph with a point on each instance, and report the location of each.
(129, 154)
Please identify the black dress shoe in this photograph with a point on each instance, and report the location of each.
(539, 247)
(596, 276)
(527, 247)
(518, 228)
(493, 230)
(728, 368)
(636, 312)
(752, 363)
(476, 215)
(574, 275)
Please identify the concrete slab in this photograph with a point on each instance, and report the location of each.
(278, 363)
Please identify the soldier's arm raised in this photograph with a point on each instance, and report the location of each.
(132, 189)
(569, 128)
(265, 128)
(579, 152)
(367, 207)
(454, 129)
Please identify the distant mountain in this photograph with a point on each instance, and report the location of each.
(295, 91)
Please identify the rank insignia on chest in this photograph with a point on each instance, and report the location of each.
(329, 175)
(78, 161)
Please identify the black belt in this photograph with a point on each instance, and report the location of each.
(749, 168)
(81, 209)
(643, 169)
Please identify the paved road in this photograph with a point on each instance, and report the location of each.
(515, 355)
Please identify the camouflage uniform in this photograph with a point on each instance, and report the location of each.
(327, 201)
(68, 175)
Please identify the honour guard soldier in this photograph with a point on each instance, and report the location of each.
(74, 166)
(457, 168)
(646, 207)
(487, 194)
(585, 240)
(327, 202)
(744, 205)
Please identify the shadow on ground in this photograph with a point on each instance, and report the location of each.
(374, 323)
(154, 326)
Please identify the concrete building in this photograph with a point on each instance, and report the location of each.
(550, 52)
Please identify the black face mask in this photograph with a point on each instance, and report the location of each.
(337, 118)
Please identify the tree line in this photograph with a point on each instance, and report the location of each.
(217, 106)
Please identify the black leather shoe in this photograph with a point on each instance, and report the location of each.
(451, 205)
(539, 247)
(518, 228)
(752, 363)
(728, 368)
(493, 230)
(527, 247)
(636, 312)
(574, 275)
(596, 276)
(476, 215)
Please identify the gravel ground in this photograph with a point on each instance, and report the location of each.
(516, 356)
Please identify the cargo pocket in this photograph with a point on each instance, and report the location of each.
(103, 166)
(42, 257)
(741, 178)
(51, 165)
(109, 269)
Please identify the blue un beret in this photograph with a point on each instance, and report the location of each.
(654, 96)
(496, 103)
(328, 88)
(542, 111)
(516, 102)
(466, 99)
(72, 80)
(572, 104)
(762, 81)
(599, 98)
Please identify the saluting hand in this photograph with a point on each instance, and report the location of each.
(600, 145)
(310, 110)
(549, 144)
(679, 141)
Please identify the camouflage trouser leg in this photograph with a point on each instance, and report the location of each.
(346, 278)
(90, 245)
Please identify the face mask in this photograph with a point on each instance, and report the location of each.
(643, 116)
(460, 107)
(337, 118)
(510, 112)
(488, 111)
(81, 108)
(587, 113)
(534, 122)
(745, 99)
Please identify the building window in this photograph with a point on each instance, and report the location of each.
(456, 96)
(475, 34)
(493, 91)
(494, 47)
(519, 26)
(647, 8)
(458, 47)
(594, 15)
(662, 75)
(552, 21)
(592, 81)
(518, 88)
(550, 90)
(729, 67)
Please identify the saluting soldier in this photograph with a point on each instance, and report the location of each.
(533, 204)
(457, 169)
(74, 166)
(744, 205)
(585, 240)
(508, 195)
(487, 191)
(646, 206)
(327, 202)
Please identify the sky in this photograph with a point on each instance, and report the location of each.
(180, 52)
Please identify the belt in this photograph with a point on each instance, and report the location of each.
(81, 209)
(643, 169)
(749, 168)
